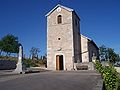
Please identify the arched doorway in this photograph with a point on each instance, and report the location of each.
(59, 62)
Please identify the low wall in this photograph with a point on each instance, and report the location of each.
(7, 64)
(89, 65)
(117, 69)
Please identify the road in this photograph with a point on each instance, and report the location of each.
(53, 80)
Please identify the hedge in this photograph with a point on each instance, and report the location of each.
(109, 75)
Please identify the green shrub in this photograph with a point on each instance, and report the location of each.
(109, 75)
(110, 78)
(99, 66)
(29, 63)
(34, 63)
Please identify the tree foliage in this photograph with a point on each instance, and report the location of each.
(103, 52)
(109, 75)
(113, 57)
(34, 52)
(9, 44)
(0, 47)
(108, 54)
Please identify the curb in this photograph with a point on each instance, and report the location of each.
(99, 84)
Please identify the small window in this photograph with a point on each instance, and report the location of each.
(58, 38)
(59, 19)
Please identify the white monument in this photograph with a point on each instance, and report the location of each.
(19, 68)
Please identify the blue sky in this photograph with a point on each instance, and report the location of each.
(100, 21)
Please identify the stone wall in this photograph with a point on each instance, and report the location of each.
(7, 64)
(92, 50)
(84, 49)
(76, 38)
(88, 48)
(64, 46)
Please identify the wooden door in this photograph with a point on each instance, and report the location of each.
(61, 62)
(57, 63)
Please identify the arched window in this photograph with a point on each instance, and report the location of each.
(59, 19)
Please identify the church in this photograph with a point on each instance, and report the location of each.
(67, 48)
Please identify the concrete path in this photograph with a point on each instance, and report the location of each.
(53, 80)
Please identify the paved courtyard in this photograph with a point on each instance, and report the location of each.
(53, 80)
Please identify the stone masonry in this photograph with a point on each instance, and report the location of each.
(64, 40)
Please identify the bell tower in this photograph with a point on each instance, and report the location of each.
(63, 38)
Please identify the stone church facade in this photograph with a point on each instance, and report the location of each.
(88, 49)
(64, 46)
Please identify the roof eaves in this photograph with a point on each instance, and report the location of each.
(94, 44)
(86, 37)
(69, 9)
(90, 40)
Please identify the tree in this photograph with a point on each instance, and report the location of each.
(0, 47)
(108, 54)
(113, 57)
(45, 60)
(45, 57)
(10, 44)
(34, 52)
(103, 52)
